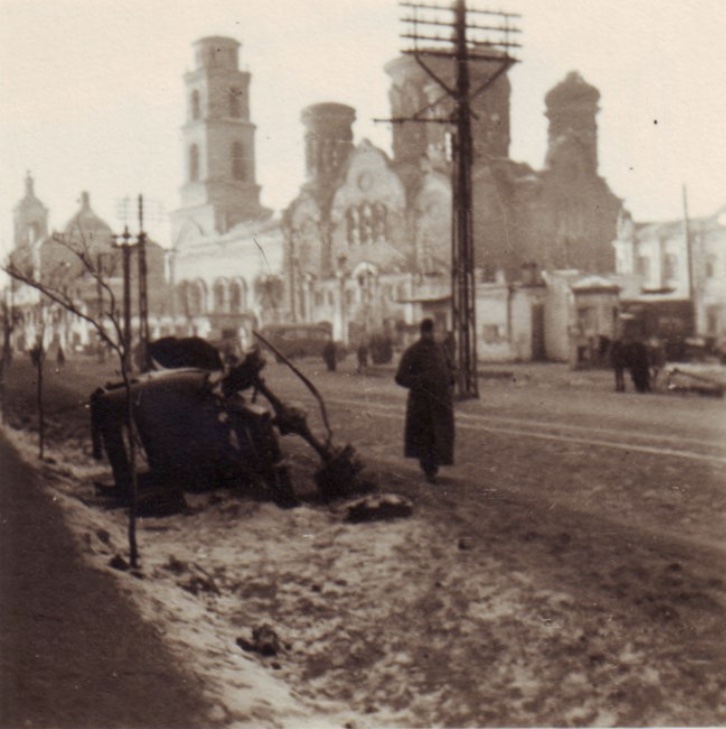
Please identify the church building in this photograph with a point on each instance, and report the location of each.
(368, 238)
(84, 262)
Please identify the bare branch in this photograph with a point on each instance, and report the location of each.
(63, 299)
(95, 270)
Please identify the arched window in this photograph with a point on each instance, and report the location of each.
(182, 297)
(220, 298)
(237, 296)
(196, 106)
(235, 108)
(33, 232)
(238, 161)
(380, 221)
(366, 223)
(642, 266)
(353, 229)
(195, 298)
(670, 266)
(193, 163)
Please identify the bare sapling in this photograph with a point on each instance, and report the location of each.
(81, 268)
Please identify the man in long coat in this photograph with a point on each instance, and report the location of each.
(429, 433)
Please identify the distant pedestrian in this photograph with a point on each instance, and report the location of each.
(362, 355)
(639, 366)
(330, 355)
(619, 361)
(429, 431)
(632, 355)
(60, 357)
(449, 345)
(656, 359)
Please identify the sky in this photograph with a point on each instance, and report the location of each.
(92, 95)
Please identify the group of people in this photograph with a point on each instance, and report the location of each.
(330, 357)
(378, 349)
(426, 369)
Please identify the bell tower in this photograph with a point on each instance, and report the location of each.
(220, 187)
(30, 217)
(328, 141)
(572, 108)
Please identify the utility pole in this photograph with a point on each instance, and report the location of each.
(143, 295)
(467, 43)
(692, 294)
(123, 212)
(123, 242)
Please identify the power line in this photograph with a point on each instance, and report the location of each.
(467, 43)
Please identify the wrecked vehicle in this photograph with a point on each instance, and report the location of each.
(199, 428)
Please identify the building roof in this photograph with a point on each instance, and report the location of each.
(573, 90)
(594, 284)
(87, 225)
(30, 201)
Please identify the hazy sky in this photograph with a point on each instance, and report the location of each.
(92, 97)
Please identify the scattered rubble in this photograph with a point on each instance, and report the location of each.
(377, 507)
(117, 562)
(265, 641)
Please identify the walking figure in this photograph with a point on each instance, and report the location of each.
(619, 361)
(429, 431)
(330, 355)
(362, 354)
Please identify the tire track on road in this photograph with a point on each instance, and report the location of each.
(658, 444)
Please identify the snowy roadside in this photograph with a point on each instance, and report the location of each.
(245, 691)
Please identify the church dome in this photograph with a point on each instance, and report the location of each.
(86, 226)
(574, 90)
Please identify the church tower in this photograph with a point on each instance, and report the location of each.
(220, 188)
(30, 217)
(572, 107)
(414, 93)
(328, 141)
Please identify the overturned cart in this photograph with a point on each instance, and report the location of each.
(201, 426)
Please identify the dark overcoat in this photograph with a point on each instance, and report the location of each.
(425, 370)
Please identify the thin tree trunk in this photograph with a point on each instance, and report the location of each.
(134, 495)
(2, 388)
(40, 400)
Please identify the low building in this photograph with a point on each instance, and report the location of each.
(679, 260)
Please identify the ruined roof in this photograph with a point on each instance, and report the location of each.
(573, 90)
